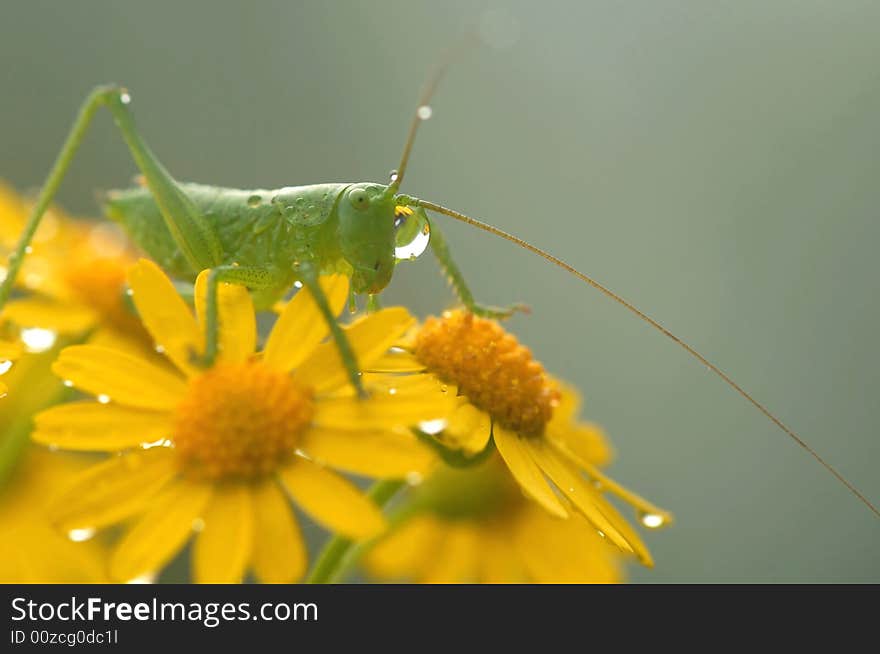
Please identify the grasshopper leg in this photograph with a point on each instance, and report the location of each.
(456, 280)
(349, 359)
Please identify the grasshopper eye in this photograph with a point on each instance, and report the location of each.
(358, 198)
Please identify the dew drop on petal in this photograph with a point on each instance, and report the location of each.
(432, 427)
(5, 366)
(103, 399)
(414, 478)
(652, 520)
(424, 112)
(37, 339)
(80, 535)
(124, 98)
(68, 383)
(297, 284)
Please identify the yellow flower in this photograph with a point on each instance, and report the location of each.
(218, 450)
(74, 274)
(33, 551)
(503, 392)
(475, 526)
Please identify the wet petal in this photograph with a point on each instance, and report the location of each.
(91, 426)
(369, 337)
(279, 553)
(113, 490)
(301, 326)
(332, 500)
(161, 532)
(526, 472)
(378, 454)
(223, 548)
(584, 496)
(165, 315)
(124, 378)
(237, 323)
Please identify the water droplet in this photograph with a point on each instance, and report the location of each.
(601, 533)
(3, 273)
(424, 112)
(129, 292)
(393, 176)
(652, 520)
(124, 97)
(198, 524)
(103, 399)
(255, 201)
(415, 247)
(297, 284)
(68, 383)
(37, 339)
(432, 427)
(414, 478)
(160, 349)
(28, 250)
(80, 535)
(5, 366)
(392, 391)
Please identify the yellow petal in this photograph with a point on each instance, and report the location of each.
(369, 337)
(456, 559)
(332, 501)
(380, 411)
(584, 496)
(499, 563)
(125, 379)
(279, 553)
(112, 490)
(60, 317)
(406, 551)
(223, 547)
(3, 389)
(161, 532)
(467, 428)
(397, 360)
(301, 326)
(526, 471)
(237, 328)
(9, 351)
(586, 440)
(378, 454)
(99, 427)
(165, 315)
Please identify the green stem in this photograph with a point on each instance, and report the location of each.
(340, 553)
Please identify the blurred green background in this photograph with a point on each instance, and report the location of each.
(716, 163)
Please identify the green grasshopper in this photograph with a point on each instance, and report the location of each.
(268, 240)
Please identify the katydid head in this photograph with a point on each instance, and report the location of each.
(366, 235)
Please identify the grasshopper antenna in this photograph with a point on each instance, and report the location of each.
(656, 325)
(423, 108)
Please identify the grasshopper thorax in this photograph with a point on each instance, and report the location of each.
(366, 235)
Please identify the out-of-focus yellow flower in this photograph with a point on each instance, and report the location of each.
(473, 525)
(74, 276)
(504, 393)
(33, 551)
(217, 449)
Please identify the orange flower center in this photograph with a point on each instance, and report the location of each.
(240, 421)
(490, 367)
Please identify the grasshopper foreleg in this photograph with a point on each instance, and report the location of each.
(349, 359)
(456, 280)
